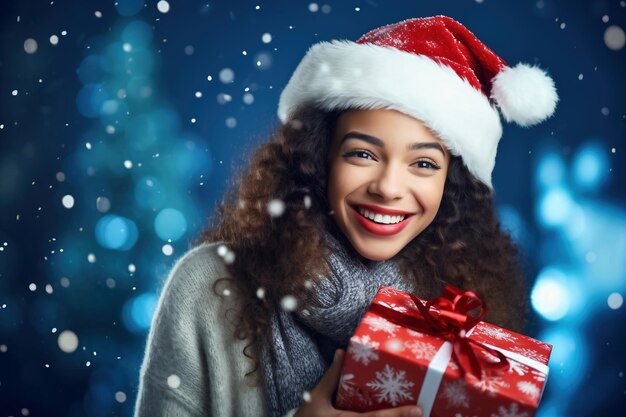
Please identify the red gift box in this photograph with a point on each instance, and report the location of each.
(436, 354)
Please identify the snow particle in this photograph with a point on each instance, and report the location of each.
(120, 397)
(231, 122)
(198, 94)
(68, 341)
(127, 47)
(30, 46)
(103, 204)
(289, 303)
(14, 93)
(615, 301)
(394, 345)
(621, 3)
(326, 9)
(562, 25)
(3, 348)
(223, 98)
(193, 120)
(479, 1)
(605, 18)
(613, 150)
(227, 75)
(88, 364)
(54, 39)
(209, 78)
(132, 268)
(32, 286)
(163, 6)
(313, 7)
(276, 208)
(60, 177)
(248, 98)
(357, 9)
(167, 249)
(64, 32)
(128, 164)
(110, 129)
(266, 38)
(173, 381)
(189, 50)
(229, 258)
(110, 282)
(65, 282)
(88, 145)
(580, 76)
(307, 201)
(222, 250)
(306, 396)
(260, 292)
(605, 111)
(98, 14)
(91, 258)
(49, 289)
(25, 411)
(614, 37)
(67, 201)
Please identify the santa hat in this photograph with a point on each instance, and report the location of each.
(433, 69)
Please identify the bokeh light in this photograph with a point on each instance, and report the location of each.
(170, 224)
(116, 232)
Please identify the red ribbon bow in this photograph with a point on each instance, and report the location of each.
(449, 317)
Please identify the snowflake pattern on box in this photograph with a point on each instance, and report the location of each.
(518, 368)
(363, 349)
(495, 333)
(389, 291)
(379, 324)
(538, 376)
(455, 393)
(529, 353)
(393, 306)
(348, 391)
(421, 350)
(414, 333)
(529, 389)
(489, 384)
(391, 386)
(512, 411)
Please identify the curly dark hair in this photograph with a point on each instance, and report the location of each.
(463, 246)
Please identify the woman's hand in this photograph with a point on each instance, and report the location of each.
(321, 398)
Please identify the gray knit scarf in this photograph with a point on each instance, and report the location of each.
(304, 341)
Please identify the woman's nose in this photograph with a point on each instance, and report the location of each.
(389, 184)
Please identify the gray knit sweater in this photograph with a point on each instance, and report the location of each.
(193, 365)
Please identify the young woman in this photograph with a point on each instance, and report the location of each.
(380, 174)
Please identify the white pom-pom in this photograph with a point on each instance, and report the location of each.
(525, 94)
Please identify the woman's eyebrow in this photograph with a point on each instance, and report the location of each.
(367, 138)
(377, 142)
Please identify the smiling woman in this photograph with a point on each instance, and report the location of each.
(387, 173)
(382, 175)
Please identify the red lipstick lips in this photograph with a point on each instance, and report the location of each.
(378, 228)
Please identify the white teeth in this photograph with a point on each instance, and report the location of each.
(380, 218)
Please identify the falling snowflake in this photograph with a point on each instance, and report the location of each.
(455, 394)
(379, 324)
(489, 384)
(529, 353)
(495, 333)
(512, 411)
(529, 389)
(391, 386)
(421, 350)
(393, 306)
(363, 349)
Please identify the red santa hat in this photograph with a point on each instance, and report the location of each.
(433, 69)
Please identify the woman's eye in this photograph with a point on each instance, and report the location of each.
(426, 164)
(359, 154)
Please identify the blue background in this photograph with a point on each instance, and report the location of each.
(110, 116)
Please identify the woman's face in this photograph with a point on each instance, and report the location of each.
(386, 179)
